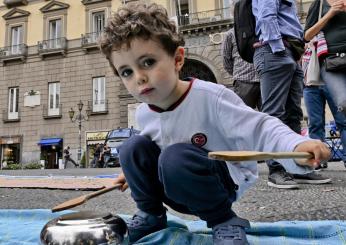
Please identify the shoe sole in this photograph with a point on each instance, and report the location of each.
(293, 186)
(314, 182)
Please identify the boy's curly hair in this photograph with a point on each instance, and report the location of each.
(139, 21)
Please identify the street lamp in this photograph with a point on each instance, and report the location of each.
(79, 118)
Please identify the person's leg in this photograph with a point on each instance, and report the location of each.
(293, 107)
(65, 162)
(340, 120)
(139, 162)
(73, 161)
(336, 85)
(248, 92)
(276, 72)
(315, 106)
(192, 180)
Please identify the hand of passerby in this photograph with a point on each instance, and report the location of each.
(336, 6)
(121, 180)
(320, 151)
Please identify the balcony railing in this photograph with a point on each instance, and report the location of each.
(90, 39)
(49, 113)
(13, 52)
(98, 106)
(8, 116)
(51, 46)
(14, 3)
(204, 17)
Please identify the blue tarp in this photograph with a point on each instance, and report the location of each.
(22, 227)
(50, 141)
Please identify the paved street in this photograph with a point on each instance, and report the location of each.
(261, 203)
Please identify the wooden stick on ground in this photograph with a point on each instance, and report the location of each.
(256, 155)
(82, 199)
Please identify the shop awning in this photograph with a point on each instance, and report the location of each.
(50, 141)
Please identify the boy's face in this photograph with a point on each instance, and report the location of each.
(149, 73)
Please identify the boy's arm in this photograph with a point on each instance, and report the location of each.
(320, 151)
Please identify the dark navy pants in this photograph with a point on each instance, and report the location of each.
(181, 176)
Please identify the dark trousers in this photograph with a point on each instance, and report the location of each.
(181, 176)
(281, 80)
(69, 159)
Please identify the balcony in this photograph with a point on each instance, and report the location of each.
(15, 3)
(209, 17)
(10, 116)
(89, 40)
(14, 52)
(49, 113)
(52, 46)
(98, 107)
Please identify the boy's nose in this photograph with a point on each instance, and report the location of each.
(141, 78)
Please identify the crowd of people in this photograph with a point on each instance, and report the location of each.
(281, 81)
(102, 154)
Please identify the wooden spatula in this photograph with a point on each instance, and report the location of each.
(256, 155)
(82, 199)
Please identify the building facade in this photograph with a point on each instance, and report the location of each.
(49, 62)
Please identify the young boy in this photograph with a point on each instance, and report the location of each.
(180, 122)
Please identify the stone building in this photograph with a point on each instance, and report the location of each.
(49, 63)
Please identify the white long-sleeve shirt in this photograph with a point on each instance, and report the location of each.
(228, 125)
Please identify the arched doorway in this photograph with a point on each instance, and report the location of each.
(195, 68)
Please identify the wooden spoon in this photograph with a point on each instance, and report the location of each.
(82, 199)
(257, 155)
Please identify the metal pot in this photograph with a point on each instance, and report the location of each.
(84, 228)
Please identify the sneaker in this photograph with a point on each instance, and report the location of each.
(142, 224)
(311, 178)
(282, 180)
(231, 232)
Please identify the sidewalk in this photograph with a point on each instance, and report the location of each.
(261, 203)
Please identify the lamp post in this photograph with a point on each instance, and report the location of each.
(79, 118)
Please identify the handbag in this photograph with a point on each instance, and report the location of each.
(336, 62)
(311, 66)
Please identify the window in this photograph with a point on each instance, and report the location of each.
(98, 23)
(16, 39)
(99, 94)
(54, 33)
(13, 97)
(54, 98)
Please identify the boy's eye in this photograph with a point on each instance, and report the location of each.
(126, 73)
(148, 62)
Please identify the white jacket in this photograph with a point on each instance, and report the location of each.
(227, 123)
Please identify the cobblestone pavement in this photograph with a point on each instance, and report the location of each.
(261, 203)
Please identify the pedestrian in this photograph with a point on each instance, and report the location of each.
(315, 98)
(97, 156)
(106, 154)
(180, 122)
(246, 83)
(333, 24)
(277, 52)
(67, 157)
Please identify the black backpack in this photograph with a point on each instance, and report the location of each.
(244, 29)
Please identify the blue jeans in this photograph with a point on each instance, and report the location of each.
(336, 84)
(281, 79)
(182, 176)
(315, 100)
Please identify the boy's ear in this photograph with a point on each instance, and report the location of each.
(179, 58)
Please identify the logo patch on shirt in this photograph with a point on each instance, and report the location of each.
(199, 139)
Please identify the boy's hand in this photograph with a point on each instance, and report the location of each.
(320, 151)
(121, 180)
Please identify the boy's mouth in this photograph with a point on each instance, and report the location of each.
(146, 91)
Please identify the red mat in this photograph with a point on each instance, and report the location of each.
(56, 183)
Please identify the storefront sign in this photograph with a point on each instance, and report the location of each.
(9, 140)
(90, 136)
